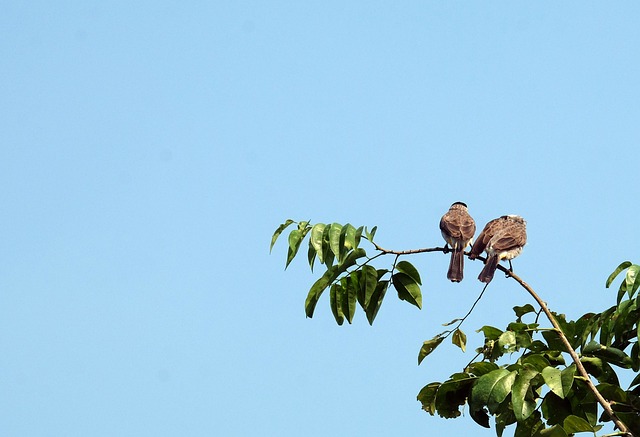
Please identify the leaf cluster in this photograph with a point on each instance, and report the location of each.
(540, 392)
(348, 274)
(521, 375)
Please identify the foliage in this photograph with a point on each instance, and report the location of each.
(522, 375)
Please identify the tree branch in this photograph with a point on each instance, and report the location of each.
(624, 431)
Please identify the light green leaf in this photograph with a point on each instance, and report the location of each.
(408, 290)
(632, 279)
(459, 338)
(428, 347)
(315, 241)
(500, 391)
(553, 378)
(554, 431)
(295, 238)
(278, 231)
(370, 234)
(334, 239)
(567, 378)
(336, 295)
(573, 424)
(523, 405)
(617, 271)
(408, 269)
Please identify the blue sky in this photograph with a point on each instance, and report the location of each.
(149, 151)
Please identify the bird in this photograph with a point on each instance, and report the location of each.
(457, 228)
(501, 238)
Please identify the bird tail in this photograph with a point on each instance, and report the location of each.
(456, 265)
(486, 275)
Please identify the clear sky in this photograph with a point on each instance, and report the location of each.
(149, 150)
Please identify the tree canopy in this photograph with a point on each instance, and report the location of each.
(552, 381)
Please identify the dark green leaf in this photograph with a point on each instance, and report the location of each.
(617, 271)
(610, 354)
(278, 231)
(600, 369)
(349, 298)
(523, 404)
(376, 300)
(428, 347)
(530, 427)
(408, 290)
(566, 378)
(408, 269)
(483, 389)
(490, 333)
(481, 367)
(503, 419)
(427, 397)
(336, 295)
(311, 256)
(459, 338)
(369, 283)
(555, 409)
(536, 361)
(521, 311)
(451, 395)
(317, 288)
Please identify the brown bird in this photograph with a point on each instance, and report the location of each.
(457, 229)
(501, 238)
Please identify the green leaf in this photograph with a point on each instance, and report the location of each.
(521, 311)
(553, 378)
(327, 254)
(600, 369)
(480, 368)
(427, 397)
(334, 239)
(428, 347)
(554, 431)
(451, 395)
(566, 377)
(370, 234)
(484, 388)
(369, 283)
(530, 427)
(610, 354)
(632, 279)
(490, 333)
(295, 238)
(336, 295)
(348, 237)
(376, 300)
(459, 338)
(408, 290)
(523, 404)
(573, 424)
(349, 299)
(507, 341)
(278, 231)
(315, 241)
(617, 271)
(408, 269)
(311, 256)
(317, 288)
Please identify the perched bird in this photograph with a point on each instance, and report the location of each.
(501, 238)
(457, 229)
